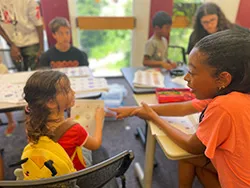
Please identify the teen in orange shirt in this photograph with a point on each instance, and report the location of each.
(219, 69)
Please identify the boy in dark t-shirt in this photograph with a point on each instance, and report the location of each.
(62, 54)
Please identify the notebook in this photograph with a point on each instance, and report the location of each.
(187, 124)
(88, 84)
(148, 79)
(82, 71)
(11, 93)
(84, 112)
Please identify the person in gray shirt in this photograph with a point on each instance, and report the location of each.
(156, 49)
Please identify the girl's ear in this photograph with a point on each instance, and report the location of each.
(51, 104)
(224, 80)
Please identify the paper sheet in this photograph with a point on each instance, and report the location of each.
(82, 71)
(186, 124)
(180, 80)
(88, 84)
(11, 93)
(16, 78)
(148, 79)
(84, 113)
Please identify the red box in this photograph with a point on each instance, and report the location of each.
(165, 95)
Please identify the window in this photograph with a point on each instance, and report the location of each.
(108, 50)
(183, 11)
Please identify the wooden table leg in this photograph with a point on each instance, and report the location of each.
(149, 159)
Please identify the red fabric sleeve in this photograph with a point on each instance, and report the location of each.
(75, 136)
(82, 135)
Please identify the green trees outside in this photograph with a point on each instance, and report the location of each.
(111, 48)
(180, 36)
(106, 48)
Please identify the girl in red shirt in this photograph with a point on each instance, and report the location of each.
(48, 94)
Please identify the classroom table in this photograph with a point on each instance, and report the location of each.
(169, 82)
(129, 73)
(170, 149)
(22, 77)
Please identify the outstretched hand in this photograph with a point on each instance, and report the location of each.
(123, 112)
(148, 113)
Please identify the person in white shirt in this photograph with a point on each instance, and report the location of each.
(22, 27)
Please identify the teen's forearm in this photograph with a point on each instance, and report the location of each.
(152, 63)
(181, 139)
(5, 36)
(174, 109)
(39, 30)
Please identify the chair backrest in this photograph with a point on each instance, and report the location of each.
(93, 177)
(177, 54)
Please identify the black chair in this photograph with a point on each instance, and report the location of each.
(179, 52)
(93, 177)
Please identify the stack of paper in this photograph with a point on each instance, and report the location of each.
(11, 93)
(82, 71)
(16, 78)
(88, 84)
(180, 80)
(84, 113)
(187, 124)
(148, 79)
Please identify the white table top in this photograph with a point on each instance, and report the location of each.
(22, 77)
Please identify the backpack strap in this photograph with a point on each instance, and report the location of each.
(60, 130)
(58, 133)
(78, 153)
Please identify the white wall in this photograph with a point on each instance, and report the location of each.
(141, 11)
(72, 17)
(6, 59)
(229, 7)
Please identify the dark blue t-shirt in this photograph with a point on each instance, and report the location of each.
(54, 58)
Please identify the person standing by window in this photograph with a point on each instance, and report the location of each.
(22, 28)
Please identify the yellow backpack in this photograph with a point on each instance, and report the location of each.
(47, 158)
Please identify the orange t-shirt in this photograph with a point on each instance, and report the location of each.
(225, 131)
(200, 105)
